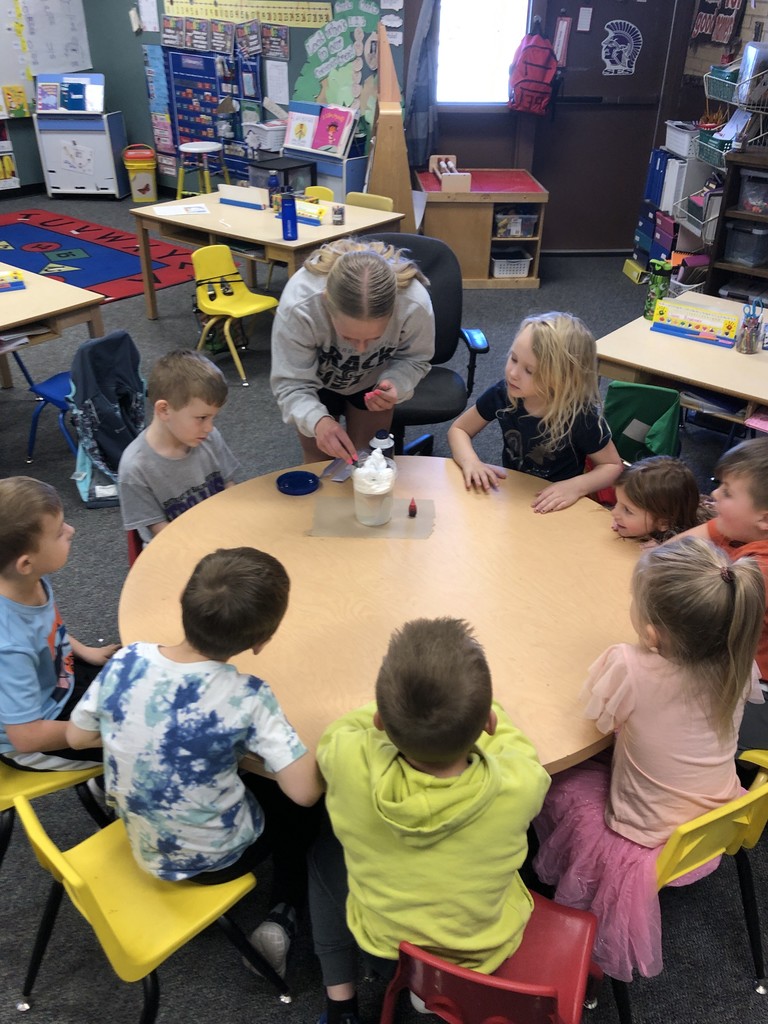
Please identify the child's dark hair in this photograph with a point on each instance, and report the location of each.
(434, 690)
(235, 599)
(665, 489)
(23, 503)
(183, 375)
(750, 461)
(708, 614)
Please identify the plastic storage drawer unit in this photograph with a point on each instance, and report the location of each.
(746, 244)
(753, 196)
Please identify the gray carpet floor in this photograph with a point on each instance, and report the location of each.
(708, 968)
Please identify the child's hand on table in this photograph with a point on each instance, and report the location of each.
(557, 496)
(482, 476)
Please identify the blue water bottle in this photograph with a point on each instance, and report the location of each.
(290, 224)
(273, 187)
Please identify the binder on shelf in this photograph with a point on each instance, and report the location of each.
(654, 183)
(674, 179)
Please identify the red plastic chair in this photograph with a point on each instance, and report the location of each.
(544, 982)
(135, 546)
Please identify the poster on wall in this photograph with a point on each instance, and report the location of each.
(248, 39)
(342, 60)
(55, 36)
(197, 34)
(157, 92)
(173, 31)
(205, 103)
(222, 37)
(275, 42)
(293, 13)
(717, 21)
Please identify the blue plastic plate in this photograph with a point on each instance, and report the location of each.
(297, 482)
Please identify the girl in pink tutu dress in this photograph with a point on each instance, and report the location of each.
(674, 701)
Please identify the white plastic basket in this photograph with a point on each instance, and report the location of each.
(511, 268)
(676, 288)
(681, 138)
(271, 135)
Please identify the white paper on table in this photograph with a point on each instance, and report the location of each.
(277, 81)
(181, 211)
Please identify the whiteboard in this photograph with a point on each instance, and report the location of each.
(54, 31)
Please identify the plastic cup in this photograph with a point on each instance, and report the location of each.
(374, 496)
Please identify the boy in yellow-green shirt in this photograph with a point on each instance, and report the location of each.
(430, 792)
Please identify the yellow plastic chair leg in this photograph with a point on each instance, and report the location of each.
(234, 353)
(180, 179)
(205, 176)
(206, 331)
(224, 171)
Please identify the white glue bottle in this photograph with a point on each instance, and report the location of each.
(385, 442)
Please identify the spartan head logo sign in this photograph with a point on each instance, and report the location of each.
(621, 48)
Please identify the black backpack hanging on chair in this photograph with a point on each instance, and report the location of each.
(107, 401)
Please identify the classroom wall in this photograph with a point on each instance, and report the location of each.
(116, 52)
(563, 152)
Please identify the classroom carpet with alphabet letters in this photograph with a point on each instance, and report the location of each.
(92, 256)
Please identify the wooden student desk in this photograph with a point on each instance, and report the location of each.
(257, 229)
(45, 301)
(546, 594)
(466, 222)
(636, 353)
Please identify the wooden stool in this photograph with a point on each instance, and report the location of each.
(199, 152)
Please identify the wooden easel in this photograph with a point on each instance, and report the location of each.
(389, 173)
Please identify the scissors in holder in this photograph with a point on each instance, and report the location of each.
(754, 310)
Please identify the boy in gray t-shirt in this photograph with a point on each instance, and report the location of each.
(180, 458)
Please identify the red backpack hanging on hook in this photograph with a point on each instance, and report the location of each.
(532, 75)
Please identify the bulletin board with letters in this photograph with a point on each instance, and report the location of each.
(198, 85)
(249, 51)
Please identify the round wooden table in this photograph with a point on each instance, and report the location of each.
(546, 594)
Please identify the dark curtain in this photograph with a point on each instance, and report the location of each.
(420, 92)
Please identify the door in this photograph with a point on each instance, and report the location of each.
(620, 62)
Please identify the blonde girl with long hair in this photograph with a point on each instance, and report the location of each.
(674, 701)
(547, 407)
(353, 336)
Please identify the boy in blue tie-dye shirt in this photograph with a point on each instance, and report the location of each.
(175, 722)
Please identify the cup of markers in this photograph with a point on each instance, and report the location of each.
(749, 339)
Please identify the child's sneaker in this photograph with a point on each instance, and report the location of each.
(272, 941)
(346, 1018)
(95, 787)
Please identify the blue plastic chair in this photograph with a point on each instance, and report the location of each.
(52, 391)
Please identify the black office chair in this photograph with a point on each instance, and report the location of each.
(442, 395)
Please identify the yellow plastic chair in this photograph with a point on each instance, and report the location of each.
(731, 829)
(138, 919)
(319, 192)
(370, 200)
(14, 783)
(223, 296)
